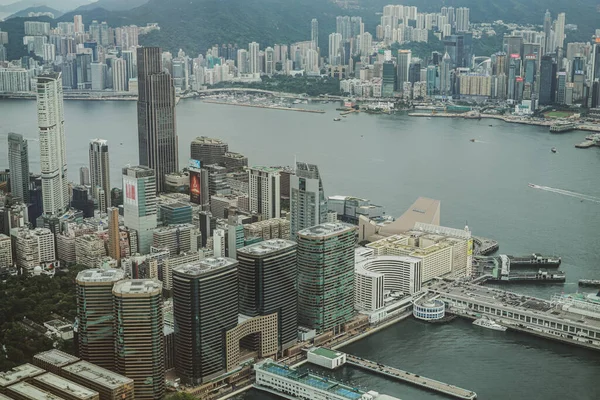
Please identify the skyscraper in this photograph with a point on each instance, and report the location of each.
(269, 61)
(404, 57)
(157, 132)
(253, 50)
(547, 80)
(205, 305)
(139, 202)
(559, 34)
(18, 162)
(389, 79)
(120, 82)
(462, 19)
(53, 158)
(314, 33)
(326, 275)
(308, 204)
(100, 173)
(548, 32)
(264, 191)
(139, 337)
(335, 48)
(84, 176)
(268, 274)
(95, 316)
(208, 150)
(445, 81)
(114, 237)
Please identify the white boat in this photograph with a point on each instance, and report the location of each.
(490, 324)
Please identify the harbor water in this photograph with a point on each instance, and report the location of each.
(392, 160)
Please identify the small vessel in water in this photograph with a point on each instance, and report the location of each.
(490, 125)
(337, 119)
(489, 324)
(553, 149)
(473, 140)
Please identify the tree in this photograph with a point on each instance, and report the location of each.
(181, 396)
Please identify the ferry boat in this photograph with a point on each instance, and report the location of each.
(561, 127)
(337, 119)
(553, 149)
(589, 282)
(489, 324)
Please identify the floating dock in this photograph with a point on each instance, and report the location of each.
(413, 379)
(541, 276)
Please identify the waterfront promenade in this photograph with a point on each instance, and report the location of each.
(269, 107)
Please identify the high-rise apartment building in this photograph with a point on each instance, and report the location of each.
(139, 203)
(95, 316)
(84, 176)
(547, 32)
(205, 304)
(53, 158)
(559, 33)
(404, 59)
(208, 150)
(34, 247)
(253, 58)
(269, 61)
(308, 204)
(120, 82)
(462, 19)
(178, 239)
(326, 275)
(335, 49)
(5, 251)
(18, 162)
(314, 33)
(157, 131)
(268, 274)
(100, 173)
(139, 337)
(264, 191)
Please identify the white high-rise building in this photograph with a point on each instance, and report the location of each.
(49, 52)
(78, 22)
(242, 62)
(253, 58)
(264, 191)
(100, 173)
(33, 247)
(139, 202)
(314, 33)
(335, 42)
(312, 61)
(559, 31)
(119, 75)
(462, 19)
(219, 243)
(53, 158)
(366, 44)
(5, 251)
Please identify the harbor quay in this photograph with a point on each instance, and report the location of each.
(562, 319)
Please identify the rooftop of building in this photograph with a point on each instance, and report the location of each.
(205, 266)
(19, 373)
(323, 352)
(56, 358)
(138, 171)
(264, 169)
(173, 228)
(231, 154)
(137, 286)
(208, 140)
(4, 397)
(267, 247)
(29, 391)
(98, 375)
(422, 210)
(315, 381)
(100, 275)
(25, 232)
(175, 204)
(66, 386)
(326, 229)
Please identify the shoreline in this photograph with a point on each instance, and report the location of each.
(264, 106)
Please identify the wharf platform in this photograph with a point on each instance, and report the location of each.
(535, 260)
(413, 379)
(589, 283)
(483, 246)
(265, 106)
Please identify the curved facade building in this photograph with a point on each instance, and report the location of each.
(429, 310)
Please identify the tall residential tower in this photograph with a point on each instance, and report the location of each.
(100, 173)
(18, 162)
(308, 204)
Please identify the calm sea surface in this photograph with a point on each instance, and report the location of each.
(392, 160)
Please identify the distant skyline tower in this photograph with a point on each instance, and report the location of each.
(95, 333)
(308, 204)
(157, 131)
(100, 173)
(326, 275)
(84, 176)
(548, 32)
(314, 33)
(18, 162)
(445, 80)
(205, 305)
(268, 276)
(139, 203)
(53, 158)
(253, 58)
(404, 59)
(335, 43)
(139, 336)
(559, 34)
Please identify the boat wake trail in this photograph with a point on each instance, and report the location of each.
(576, 195)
